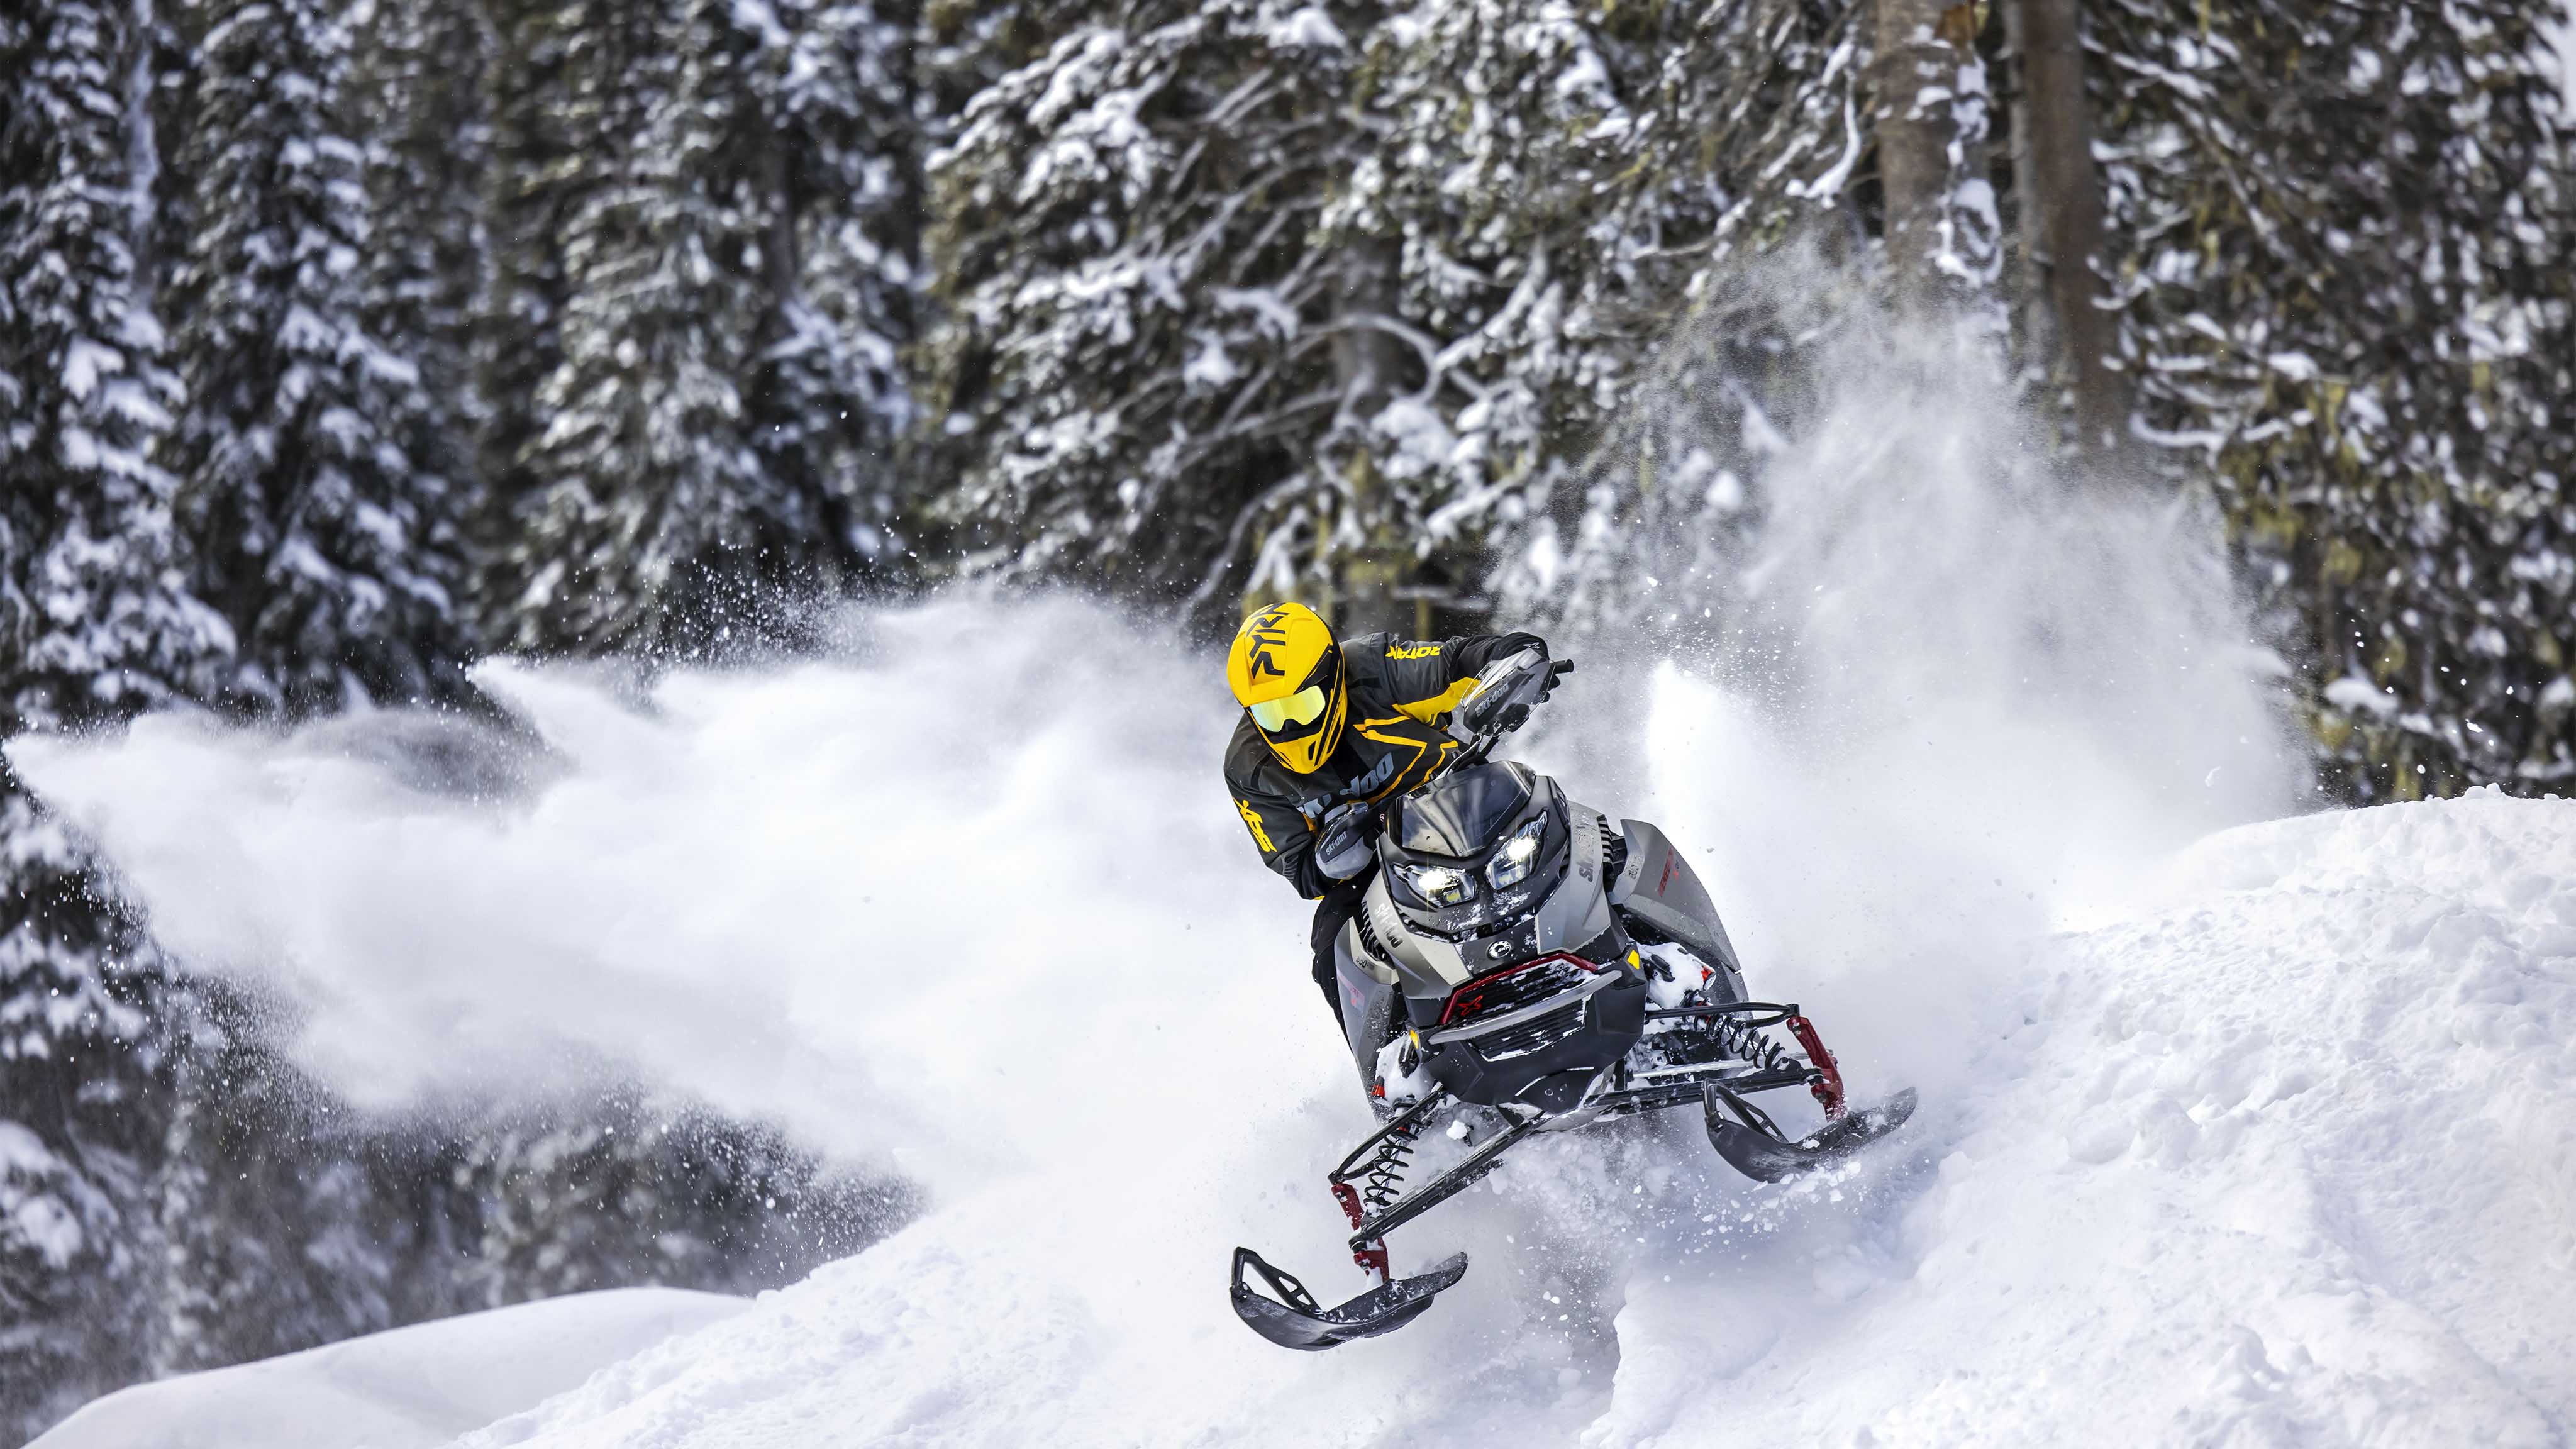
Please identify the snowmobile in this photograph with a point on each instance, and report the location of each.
(1521, 964)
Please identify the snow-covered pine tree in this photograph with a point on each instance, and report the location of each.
(1752, 139)
(267, 1215)
(1644, 531)
(626, 1192)
(416, 104)
(829, 400)
(1308, 298)
(326, 545)
(634, 435)
(1136, 351)
(96, 622)
(1231, 287)
(654, 160)
(1508, 175)
(1574, 184)
(2341, 235)
(543, 162)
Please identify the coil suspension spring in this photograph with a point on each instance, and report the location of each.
(1748, 1044)
(1382, 1181)
(1372, 1178)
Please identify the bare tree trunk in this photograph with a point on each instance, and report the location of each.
(2033, 320)
(1367, 364)
(2061, 184)
(1913, 53)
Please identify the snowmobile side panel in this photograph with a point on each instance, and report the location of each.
(1766, 1156)
(1418, 963)
(1577, 910)
(1293, 1319)
(1371, 1008)
(1658, 888)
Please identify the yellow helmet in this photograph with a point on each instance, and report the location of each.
(1286, 672)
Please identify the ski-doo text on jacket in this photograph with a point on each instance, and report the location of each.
(1401, 693)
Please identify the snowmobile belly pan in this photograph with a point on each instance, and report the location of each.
(1604, 1022)
(1294, 1320)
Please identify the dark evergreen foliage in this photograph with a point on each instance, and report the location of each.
(96, 623)
(417, 103)
(326, 545)
(1136, 343)
(2343, 235)
(694, 261)
(292, 1221)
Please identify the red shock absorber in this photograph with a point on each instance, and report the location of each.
(1828, 1086)
(1372, 1257)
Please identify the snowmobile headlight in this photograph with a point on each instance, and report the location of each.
(1437, 885)
(1515, 858)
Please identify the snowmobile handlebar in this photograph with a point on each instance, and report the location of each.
(1473, 753)
(1504, 701)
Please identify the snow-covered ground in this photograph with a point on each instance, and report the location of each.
(407, 1389)
(2289, 1159)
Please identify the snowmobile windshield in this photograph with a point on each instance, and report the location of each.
(1460, 814)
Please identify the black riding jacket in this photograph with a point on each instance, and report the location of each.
(1394, 737)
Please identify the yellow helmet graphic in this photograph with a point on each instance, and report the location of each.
(1286, 671)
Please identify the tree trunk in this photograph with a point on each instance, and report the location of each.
(2061, 184)
(2033, 320)
(1913, 53)
(1367, 365)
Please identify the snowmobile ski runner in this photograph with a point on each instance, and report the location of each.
(1521, 964)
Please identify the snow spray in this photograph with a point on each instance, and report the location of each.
(1950, 693)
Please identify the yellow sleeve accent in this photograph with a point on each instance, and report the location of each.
(1432, 751)
(1260, 836)
(1428, 711)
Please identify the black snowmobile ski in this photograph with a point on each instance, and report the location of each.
(1369, 1180)
(1755, 1146)
(1294, 1320)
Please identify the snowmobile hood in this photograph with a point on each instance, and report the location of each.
(1460, 814)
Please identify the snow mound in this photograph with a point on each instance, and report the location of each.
(2290, 1161)
(410, 1387)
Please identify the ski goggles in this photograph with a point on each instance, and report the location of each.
(1302, 708)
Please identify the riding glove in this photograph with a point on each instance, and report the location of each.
(1343, 849)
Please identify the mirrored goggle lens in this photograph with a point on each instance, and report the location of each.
(1303, 707)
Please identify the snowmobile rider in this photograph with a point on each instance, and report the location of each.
(1330, 729)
